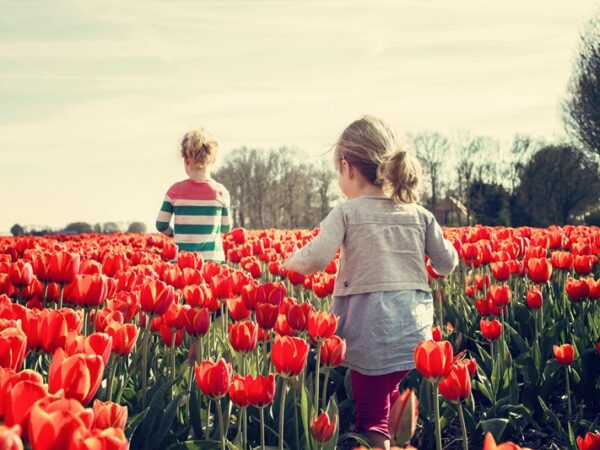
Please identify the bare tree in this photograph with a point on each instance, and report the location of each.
(433, 149)
(581, 111)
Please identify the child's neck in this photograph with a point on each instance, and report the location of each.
(199, 174)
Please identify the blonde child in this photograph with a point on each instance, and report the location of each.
(200, 204)
(381, 294)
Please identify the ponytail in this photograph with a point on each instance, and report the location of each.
(401, 174)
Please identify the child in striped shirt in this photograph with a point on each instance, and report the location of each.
(200, 204)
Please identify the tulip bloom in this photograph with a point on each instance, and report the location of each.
(78, 375)
(18, 401)
(213, 379)
(109, 439)
(197, 321)
(53, 329)
(237, 391)
(156, 297)
(282, 327)
(297, 315)
(243, 336)
(10, 437)
(237, 309)
(534, 299)
(591, 441)
(562, 260)
(404, 414)
(565, 354)
(584, 264)
(95, 344)
(500, 270)
(539, 270)
(322, 428)
(333, 351)
(13, 347)
(289, 355)
(20, 273)
(456, 387)
(577, 289)
(124, 337)
(53, 430)
(491, 329)
(260, 390)
(109, 415)
(63, 267)
(266, 315)
(500, 295)
(436, 334)
(434, 359)
(322, 325)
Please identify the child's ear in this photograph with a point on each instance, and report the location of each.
(351, 170)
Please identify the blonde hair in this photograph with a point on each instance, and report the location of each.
(371, 146)
(199, 147)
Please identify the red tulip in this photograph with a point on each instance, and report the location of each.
(63, 267)
(500, 270)
(404, 414)
(289, 355)
(260, 390)
(577, 289)
(333, 351)
(500, 295)
(124, 337)
(95, 344)
(10, 438)
(112, 263)
(200, 296)
(436, 334)
(237, 391)
(213, 379)
(534, 299)
(433, 359)
(52, 430)
(52, 330)
(266, 315)
(491, 329)
(78, 375)
(594, 286)
(562, 260)
(18, 401)
(171, 336)
(539, 270)
(197, 321)
(322, 325)
(237, 309)
(222, 286)
(322, 428)
(156, 297)
(297, 315)
(243, 336)
(20, 273)
(591, 441)
(96, 439)
(109, 415)
(189, 259)
(456, 387)
(584, 264)
(565, 354)
(13, 347)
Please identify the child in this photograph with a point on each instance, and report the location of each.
(200, 204)
(381, 293)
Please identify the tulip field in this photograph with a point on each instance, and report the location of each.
(116, 341)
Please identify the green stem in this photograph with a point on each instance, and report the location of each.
(173, 356)
(45, 296)
(265, 355)
(145, 360)
(221, 428)
(324, 393)
(60, 296)
(568, 393)
(463, 427)
(111, 377)
(296, 425)
(317, 367)
(436, 412)
(281, 413)
(262, 428)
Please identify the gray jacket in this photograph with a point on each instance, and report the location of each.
(383, 247)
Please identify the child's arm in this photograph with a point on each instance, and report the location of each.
(226, 214)
(442, 254)
(163, 220)
(320, 251)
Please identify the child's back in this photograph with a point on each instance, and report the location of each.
(200, 204)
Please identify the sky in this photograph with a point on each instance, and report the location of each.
(96, 95)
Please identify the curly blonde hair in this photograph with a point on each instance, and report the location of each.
(371, 146)
(199, 147)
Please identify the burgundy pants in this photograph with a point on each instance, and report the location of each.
(373, 397)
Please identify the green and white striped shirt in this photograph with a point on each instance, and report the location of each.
(201, 210)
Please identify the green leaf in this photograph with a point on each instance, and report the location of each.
(166, 421)
(306, 413)
(134, 422)
(494, 426)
